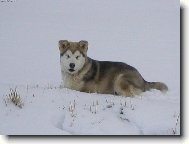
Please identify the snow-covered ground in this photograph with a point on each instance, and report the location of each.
(143, 34)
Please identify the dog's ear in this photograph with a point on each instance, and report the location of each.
(83, 44)
(63, 44)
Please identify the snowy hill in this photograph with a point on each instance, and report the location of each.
(143, 34)
(51, 110)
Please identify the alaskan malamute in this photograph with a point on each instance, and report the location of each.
(84, 74)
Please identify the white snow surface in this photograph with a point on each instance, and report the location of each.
(144, 34)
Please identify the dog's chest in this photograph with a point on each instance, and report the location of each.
(73, 82)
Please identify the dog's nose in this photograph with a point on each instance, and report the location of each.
(72, 65)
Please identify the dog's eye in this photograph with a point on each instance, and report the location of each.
(67, 56)
(77, 57)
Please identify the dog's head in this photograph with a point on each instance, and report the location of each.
(72, 55)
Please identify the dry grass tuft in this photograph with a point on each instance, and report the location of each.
(15, 98)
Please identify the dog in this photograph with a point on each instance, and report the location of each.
(81, 73)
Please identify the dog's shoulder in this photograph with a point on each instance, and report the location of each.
(92, 71)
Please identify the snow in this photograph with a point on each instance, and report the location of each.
(143, 34)
(51, 110)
